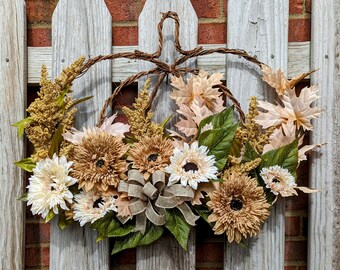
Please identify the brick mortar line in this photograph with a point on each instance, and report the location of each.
(212, 20)
(39, 25)
(296, 213)
(295, 263)
(222, 9)
(38, 245)
(299, 238)
(299, 16)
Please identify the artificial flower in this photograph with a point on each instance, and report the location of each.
(280, 181)
(48, 187)
(98, 161)
(295, 108)
(191, 165)
(117, 129)
(200, 86)
(238, 207)
(151, 154)
(90, 206)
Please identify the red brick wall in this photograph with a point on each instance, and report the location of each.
(212, 29)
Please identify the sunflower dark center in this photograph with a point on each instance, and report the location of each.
(275, 180)
(97, 202)
(190, 166)
(236, 204)
(100, 163)
(153, 157)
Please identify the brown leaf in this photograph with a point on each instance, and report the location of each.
(294, 81)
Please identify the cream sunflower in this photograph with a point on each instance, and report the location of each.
(90, 207)
(191, 165)
(98, 162)
(279, 181)
(238, 207)
(151, 154)
(48, 186)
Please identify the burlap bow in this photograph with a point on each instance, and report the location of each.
(150, 199)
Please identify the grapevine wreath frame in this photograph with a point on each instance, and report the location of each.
(229, 173)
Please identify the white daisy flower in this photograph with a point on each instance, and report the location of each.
(48, 186)
(191, 165)
(279, 180)
(90, 207)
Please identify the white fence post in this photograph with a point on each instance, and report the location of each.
(324, 214)
(82, 27)
(166, 253)
(13, 84)
(260, 28)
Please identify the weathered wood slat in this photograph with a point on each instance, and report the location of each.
(166, 253)
(324, 214)
(298, 61)
(13, 77)
(82, 27)
(261, 28)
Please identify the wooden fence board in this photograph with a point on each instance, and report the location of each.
(166, 252)
(260, 28)
(324, 214)
(82, 27)
(13, 79)
(298, 61)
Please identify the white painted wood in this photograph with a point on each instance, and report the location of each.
(166, 253)
(13, 77)
(298, 58)
(82, 27)
(260, 28)
(298, 61)
(324, 214)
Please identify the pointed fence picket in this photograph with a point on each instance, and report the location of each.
(261, 29)
(324, 208)
(166, 253)
(82, 27)
(13, 78)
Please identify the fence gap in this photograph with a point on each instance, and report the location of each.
(13, 85)
(82, 27)
(324, 207)
(260, 28)
(166, 253)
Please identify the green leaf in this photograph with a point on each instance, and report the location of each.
(204, 213)
(121, 231)
(109, 226)
(249, 153)
(285, 156)
(56, 141)
(177, 225)
(80, 101)
(50, 216)
(154, 233)
(166, 121)
(135, 239)
(236, 147)
(26, 164)
(219, 142)
(61, 96)
(23, 197)
(63, 222)
(22, 124)
(130, 241)
(220, 120)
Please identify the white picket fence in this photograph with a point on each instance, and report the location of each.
(84, 27)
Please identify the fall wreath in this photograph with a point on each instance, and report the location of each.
(132, 181)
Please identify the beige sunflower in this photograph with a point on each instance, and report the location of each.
(151, 154)
(238, 207)
(98, 162)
